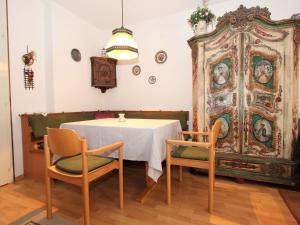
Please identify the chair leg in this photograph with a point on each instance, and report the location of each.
(48, 197)
(86, 202)
(180, 173)
(121, 191)
(211, 182)
(168, 168)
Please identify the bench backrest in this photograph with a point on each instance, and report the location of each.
(39, 122)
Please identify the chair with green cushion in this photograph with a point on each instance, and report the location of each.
(194, 154)
(78, 165)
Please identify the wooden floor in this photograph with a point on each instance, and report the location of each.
(248, 204)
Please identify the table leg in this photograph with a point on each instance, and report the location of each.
(150, 185)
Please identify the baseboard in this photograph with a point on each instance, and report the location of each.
(18, 178)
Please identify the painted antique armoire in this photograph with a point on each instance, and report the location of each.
(246, 73)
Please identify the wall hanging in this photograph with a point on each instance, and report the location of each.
(28, 60)
(160, 57)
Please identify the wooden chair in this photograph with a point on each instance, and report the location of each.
(78, 166)
(194, 154)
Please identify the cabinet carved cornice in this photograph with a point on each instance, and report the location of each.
(246, 73)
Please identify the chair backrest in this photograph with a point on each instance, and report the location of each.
(64, 142)
(215, 130)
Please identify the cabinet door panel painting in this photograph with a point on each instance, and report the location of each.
(263, 117)
(262, 136)
(222, 90)
(227, 139)
(263, 72)
(221, 74)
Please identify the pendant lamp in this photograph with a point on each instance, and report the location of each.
(122, 45)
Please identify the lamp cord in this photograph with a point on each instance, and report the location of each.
(122, 13)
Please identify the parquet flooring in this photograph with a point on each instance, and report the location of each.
(248, 204)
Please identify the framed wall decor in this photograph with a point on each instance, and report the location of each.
(160, 57)
(136, 70)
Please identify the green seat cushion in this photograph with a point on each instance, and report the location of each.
(191, 152)
(73, 164)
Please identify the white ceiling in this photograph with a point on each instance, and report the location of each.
(107, 13)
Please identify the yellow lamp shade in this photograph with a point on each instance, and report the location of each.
(122, 45)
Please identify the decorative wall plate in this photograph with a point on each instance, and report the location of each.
(160, 57)
(75, 54)
(136, 70)
(152, 79)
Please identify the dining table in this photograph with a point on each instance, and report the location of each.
(144, 140)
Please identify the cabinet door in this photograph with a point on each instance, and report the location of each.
(268, 92)
(221, 70)
(103, 73)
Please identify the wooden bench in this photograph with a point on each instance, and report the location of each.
(34, 128)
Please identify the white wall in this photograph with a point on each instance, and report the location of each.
(64, 85)
(61, 84)
(173, 89)
(72, 90)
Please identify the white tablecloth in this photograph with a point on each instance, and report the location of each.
(144, 139)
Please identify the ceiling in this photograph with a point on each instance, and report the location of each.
(107, 13)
